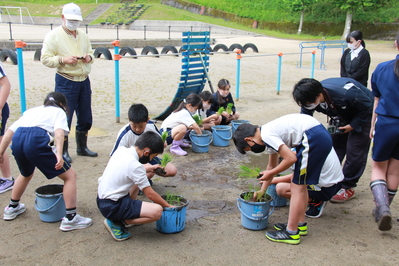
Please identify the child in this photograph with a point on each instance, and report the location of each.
(118, 187)
(208, 121)
(222, 98)
(7, 181)
(181, 120)
(139, 122)
(313, 151)
(37, 140)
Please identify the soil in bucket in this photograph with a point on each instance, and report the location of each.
(221, 135)
(50, 203)
(254, 214)
(173, 220)
(200, 143)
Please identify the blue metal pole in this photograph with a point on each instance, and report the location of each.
(238, 74)
(117, 57)
(313, 63)
(280, 59)
(21, 75)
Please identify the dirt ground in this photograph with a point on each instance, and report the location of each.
(345, 234)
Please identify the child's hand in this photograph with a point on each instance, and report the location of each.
(266, 176)
(59, 163)
(258, 193)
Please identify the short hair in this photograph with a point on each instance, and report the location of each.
(306, 91)
(152, 140)
(56, 99)
(243, 131)
(206, 96)
(138, 113)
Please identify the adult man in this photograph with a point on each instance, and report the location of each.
(349, 105)
(69, 50)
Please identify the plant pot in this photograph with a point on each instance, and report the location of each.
(254, 215)
(173, 220)
(200, 143)
(221, 135)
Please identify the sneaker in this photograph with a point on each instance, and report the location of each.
(343, 195)
(119, 233)
(78, 222)
(284, 237)
(303, 230)
(6, 185)
(315, 209)
(11, 213)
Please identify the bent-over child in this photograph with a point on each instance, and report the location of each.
(181, 120)
(208, 121)
(222, 98)
(118, 187)
(37, 139)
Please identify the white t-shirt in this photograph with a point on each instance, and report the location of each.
(2, 72)
(177, 118)
(202, 113)
(122, 172)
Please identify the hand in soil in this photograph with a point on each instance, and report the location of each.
(160, 171)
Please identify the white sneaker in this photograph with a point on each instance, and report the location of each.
(78, 222)
(6, 185)
(11, 213)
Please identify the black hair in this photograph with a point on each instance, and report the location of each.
(192, 99)
(222, 84)
(243, 131)
(357, 35)
(396, 68)
(306, 91)
(151, 140)
(56, 99)
(138, 113)
(206, 96)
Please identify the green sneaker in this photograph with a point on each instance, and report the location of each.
(119, 233)
(303, 230)
(284, 237)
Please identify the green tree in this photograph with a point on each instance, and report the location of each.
(300, 6)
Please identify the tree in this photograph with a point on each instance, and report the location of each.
(300, 6)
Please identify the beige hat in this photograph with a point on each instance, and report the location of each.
(72, 11)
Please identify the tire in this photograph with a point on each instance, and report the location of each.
(102, 51)
(169, 48)
(236, 46)
(10, 54)
(37, 55)
(252, 46)
(128, 50)
(220, 46)
(149, 49)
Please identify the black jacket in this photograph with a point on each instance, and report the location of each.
(358, 68)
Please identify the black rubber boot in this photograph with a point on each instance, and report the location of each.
(81, 145)
(382, 212)
(65, 153)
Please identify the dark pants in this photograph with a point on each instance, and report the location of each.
(355, 146)
(78, 95)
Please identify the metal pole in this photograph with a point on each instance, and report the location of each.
(9, 26)
(21, 75)
(238, 74)
(117, 57)
(169, 32)
(280, 58)
(87, 31)
(51, 26)
(117, 31)
(313, 63)
(145, 29)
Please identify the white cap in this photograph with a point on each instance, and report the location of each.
(72, 11)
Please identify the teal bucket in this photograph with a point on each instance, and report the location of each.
(221, 135)
(200, 143)
(236, 123)
(173, 220)
(254, 215)
(278, 201)
(50, 203)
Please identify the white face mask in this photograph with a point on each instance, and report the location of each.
(311, 106)
(72, 24)
(352, 46)
(206, 106)
(223, 93)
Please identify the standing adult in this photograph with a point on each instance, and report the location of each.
(385, 134)
(68, 49)
(355, 61)
(349, 105)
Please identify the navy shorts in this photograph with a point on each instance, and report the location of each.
(325, 194)
(386, 139)
(5, 113)
(155, 160)
(31, 147)
(169, 139)
(125, 208)
(311, 154)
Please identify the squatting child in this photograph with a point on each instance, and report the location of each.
(208, 121)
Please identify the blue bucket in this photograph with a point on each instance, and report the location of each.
(221, 135)
(236, 123)
(200, 143)
(278, 201)
(254, 215)
(50, 203)
(173, 220)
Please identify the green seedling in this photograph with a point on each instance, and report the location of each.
(198, 120)
(220, 110)
(229, 108)
(249, 172)
(166, 158)
(164, 135)
(172, 199)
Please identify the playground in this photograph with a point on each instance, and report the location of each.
(344, 234)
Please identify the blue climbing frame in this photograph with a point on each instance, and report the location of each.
(321, 45)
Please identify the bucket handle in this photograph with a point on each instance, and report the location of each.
(202, 145)
(231, 134)
(252, 218)
(49, 208)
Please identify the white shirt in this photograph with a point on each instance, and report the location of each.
(355, 53)
(177, 118)
(122, 172)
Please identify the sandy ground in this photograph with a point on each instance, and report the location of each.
(345, 234)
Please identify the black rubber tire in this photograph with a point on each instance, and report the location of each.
(252, 46)
(220, 46)
(9, 53)
(149, 49)
(102, 51)
(128, 50)
(236, 46)
(37, 55)
(169, 48)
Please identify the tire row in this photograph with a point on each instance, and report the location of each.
(103, 51)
